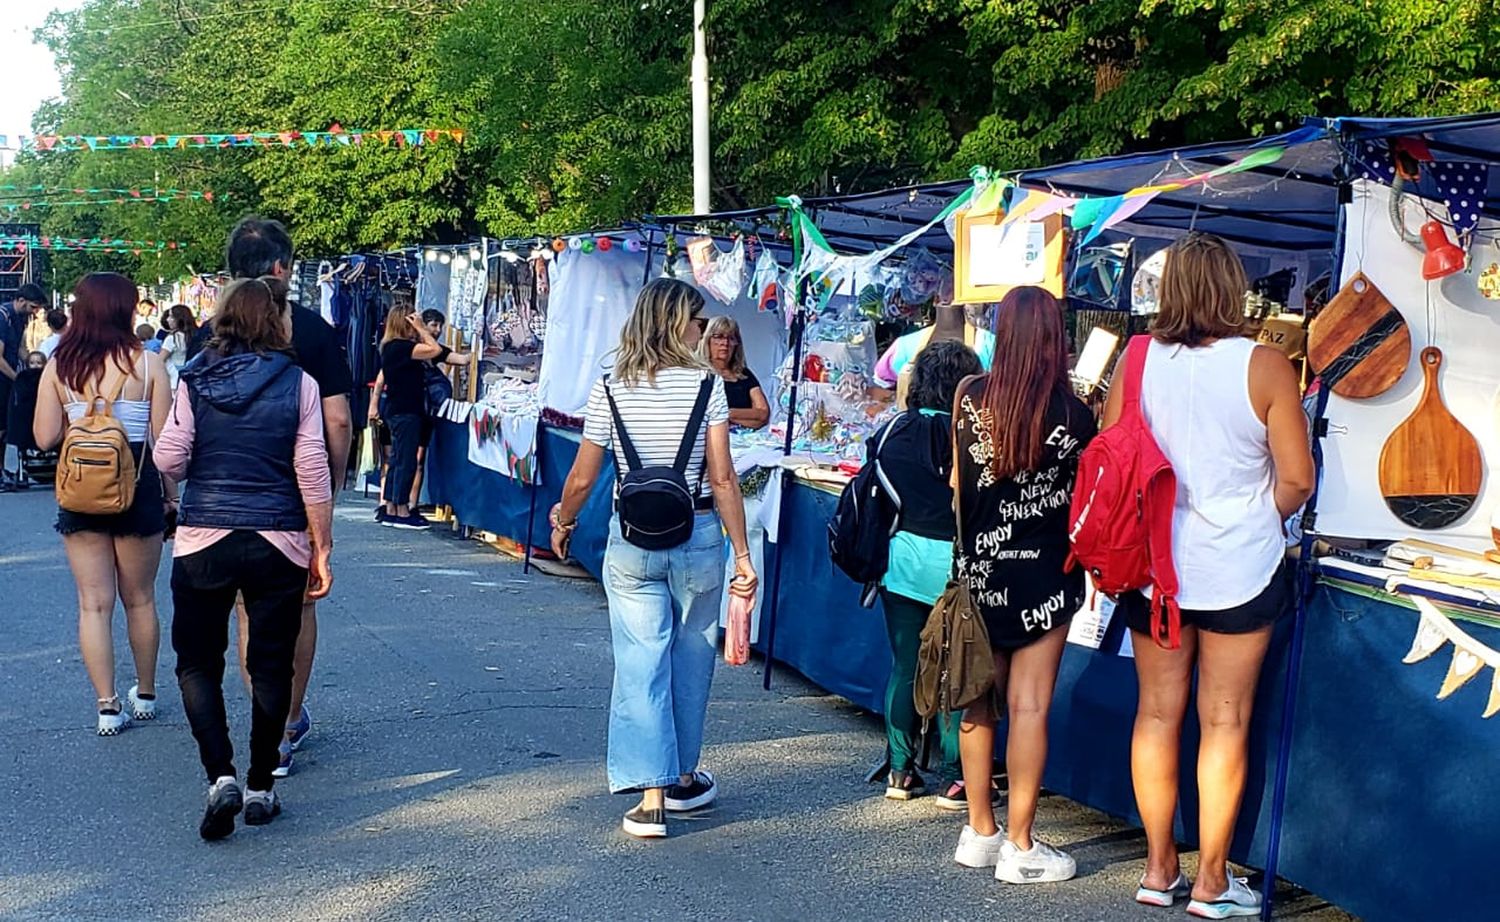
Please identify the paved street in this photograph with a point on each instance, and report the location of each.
(455, 770)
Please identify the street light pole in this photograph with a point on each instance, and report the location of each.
(701, 169)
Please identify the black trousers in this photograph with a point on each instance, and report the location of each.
(406, 438)
(203, 590)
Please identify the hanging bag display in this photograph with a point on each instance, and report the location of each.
(1120, 522)
(96, 470)
(955, 663)
(655, 505)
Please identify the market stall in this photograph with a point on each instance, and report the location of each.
(1350, 751)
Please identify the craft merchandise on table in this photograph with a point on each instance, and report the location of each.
(503, 428)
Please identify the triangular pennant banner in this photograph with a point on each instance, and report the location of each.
(1465, 666)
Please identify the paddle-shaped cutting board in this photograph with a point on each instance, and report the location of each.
(1359, 343)
(1430, 467)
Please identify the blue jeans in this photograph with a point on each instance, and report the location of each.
(664, 622)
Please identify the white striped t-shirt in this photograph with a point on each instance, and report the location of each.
(655, 417)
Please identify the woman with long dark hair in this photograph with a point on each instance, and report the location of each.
(99, 359)
(181, 328)
(1228, 415)
(246, 431)
(1018, 431)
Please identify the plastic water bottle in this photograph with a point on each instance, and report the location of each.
(737, 631)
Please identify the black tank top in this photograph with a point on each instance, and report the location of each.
(1015, 531)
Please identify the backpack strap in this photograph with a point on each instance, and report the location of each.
(1135, 372)
(632, 457)
(690, 435)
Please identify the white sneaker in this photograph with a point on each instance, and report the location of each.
(1238, 900)
(1163, 899)
(140, 708)
(112, 721)
(977, 851)
(1041, 864)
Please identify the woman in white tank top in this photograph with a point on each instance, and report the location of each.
(1228, 415)
(111, 556)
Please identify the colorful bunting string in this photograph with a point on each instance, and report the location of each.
(11, 190)
(13, 206)
(89, 244)
(335, 137)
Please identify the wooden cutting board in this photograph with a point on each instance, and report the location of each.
(1359, 343)
(1430, 467)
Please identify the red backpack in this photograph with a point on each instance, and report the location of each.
(1121, 517)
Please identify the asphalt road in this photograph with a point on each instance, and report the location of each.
(456, 771)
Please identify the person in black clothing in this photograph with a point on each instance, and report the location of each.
(915, 452)
(1018, 432)
(259, 247)
(404, 351)
(725, 351)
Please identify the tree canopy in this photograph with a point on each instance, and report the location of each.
(577, 113)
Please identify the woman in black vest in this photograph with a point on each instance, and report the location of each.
(246, 431)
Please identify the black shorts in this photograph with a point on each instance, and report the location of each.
(146, 516)
(1265, 609)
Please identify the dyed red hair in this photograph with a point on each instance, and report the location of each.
(1029, 367)
(102, 330)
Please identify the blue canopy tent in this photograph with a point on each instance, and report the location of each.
(1292, 204)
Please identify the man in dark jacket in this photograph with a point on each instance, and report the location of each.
(259, 247)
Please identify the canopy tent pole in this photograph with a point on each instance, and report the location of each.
(799, 328)
(1304, 589)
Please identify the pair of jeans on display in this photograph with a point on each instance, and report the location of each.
(664, 624)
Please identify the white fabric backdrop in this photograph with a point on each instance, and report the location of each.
(593, 294)
(1466, 328)
(591, 297)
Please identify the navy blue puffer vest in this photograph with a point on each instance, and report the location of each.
(245, 411)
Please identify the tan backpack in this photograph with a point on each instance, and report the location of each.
(96, 471)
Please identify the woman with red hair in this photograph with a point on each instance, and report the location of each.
(99, 358)
(1018, 432)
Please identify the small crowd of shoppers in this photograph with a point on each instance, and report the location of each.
(1002, 449)
(401, 408)
(248, 416)
(255, 426)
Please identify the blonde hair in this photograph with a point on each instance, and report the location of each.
(1202, 293)
(653, 337)
(719, 326)
(396, 323)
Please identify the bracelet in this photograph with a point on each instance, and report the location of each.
(744, 556)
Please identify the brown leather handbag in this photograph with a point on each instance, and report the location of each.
(955, 665)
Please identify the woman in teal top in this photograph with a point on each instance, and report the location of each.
(917, 460)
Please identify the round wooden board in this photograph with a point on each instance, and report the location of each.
(1359, 341)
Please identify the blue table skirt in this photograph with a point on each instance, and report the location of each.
(1393, 809)
(492, 501)
(1393, 798)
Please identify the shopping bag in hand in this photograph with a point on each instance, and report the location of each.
(737, 632)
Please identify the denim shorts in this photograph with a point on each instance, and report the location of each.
(146, 516)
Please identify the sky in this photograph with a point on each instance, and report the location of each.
(19, 55)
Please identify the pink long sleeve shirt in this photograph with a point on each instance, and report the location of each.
(174, 452)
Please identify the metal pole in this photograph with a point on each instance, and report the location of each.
(1305, 583)
(799, 327)
(701, 169)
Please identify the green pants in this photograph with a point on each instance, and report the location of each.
(904, 620)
